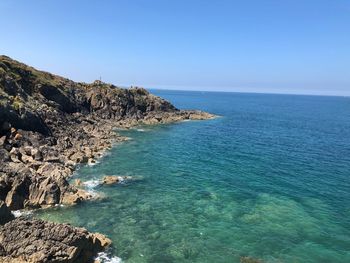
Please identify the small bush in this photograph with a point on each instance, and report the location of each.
(17, 104)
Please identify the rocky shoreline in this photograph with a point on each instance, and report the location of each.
(48, 126)
(34, 240)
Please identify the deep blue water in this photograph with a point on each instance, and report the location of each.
(269, 179)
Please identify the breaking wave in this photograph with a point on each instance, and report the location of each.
(104, 257)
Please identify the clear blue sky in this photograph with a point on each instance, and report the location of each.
(283, 46)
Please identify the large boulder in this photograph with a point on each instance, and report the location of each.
(23, 240)
(19, 193)
(34, 191)
(44, 192)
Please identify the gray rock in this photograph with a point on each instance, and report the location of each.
(23, 240)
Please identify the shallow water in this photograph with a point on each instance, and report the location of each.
(269, 179)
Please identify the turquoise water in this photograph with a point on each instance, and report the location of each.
(270, 179)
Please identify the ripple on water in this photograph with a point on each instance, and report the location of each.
(267, 181)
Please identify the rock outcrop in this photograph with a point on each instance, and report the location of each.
(23, 240)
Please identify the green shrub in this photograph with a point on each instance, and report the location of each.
(17, 104)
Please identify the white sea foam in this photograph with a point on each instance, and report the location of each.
(103, 257)
(91, 184)
(141, 130)
(93, 163)
(18, 213)
(90, 187)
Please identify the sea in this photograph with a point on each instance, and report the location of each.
(267, 180)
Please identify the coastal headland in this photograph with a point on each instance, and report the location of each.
(48, 126)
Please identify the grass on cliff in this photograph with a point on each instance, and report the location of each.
(19, 71)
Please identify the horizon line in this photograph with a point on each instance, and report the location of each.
(241, 92)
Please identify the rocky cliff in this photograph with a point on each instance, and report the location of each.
(48, 124)
(39, 101)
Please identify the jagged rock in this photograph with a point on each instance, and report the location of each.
(27, 159)
(19, 193)
(37, 155)
(88, 153)
(66, 142)
(79, 157)
(15, 155)
(33, 164)
(46, 169)
(5, 213)
(111, 179)
(102, 239)
(75, 196)
(50, 154)
(44, 192)
(39, 241)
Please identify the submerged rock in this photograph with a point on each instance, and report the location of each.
(113, 179)
(23, 240)
(250, 260)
